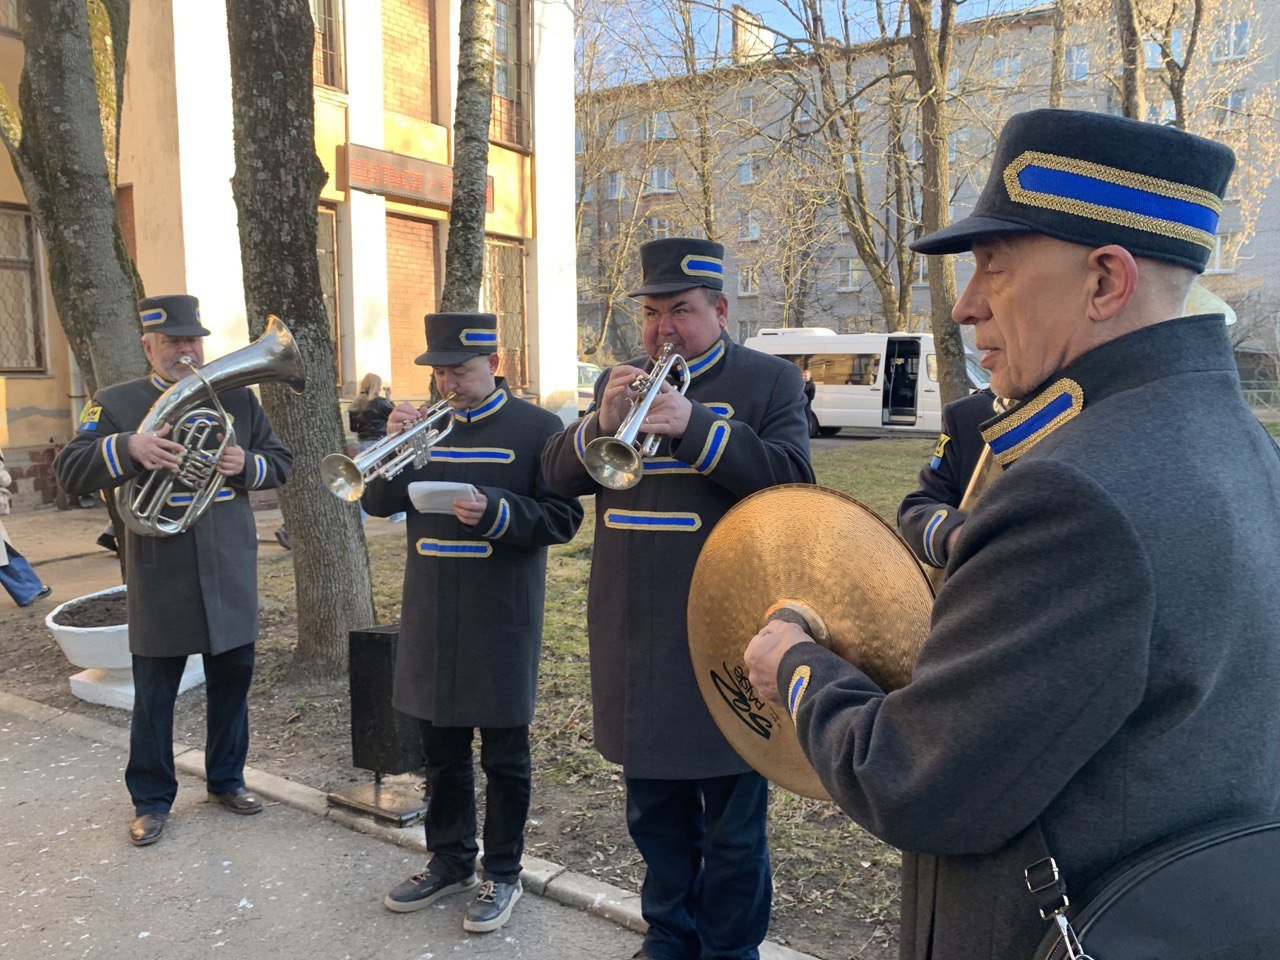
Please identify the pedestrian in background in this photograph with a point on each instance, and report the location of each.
(23, 583)
(367, 417)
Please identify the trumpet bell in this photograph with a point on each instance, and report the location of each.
(613, 463)
(341, 475)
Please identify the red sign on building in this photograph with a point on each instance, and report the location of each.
(409, 178)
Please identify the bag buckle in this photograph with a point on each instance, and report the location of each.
(1043, 877)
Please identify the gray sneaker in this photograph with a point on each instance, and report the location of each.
(491, 908)
(424, 889)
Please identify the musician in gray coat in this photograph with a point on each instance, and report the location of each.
(930, 517)
(1105, 651)
(471, 623)
(695, 809)
(192, 593)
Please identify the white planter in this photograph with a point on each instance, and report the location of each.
(103, 652)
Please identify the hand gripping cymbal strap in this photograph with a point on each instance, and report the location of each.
(1049, 891)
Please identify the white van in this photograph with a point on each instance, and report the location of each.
(878, 381)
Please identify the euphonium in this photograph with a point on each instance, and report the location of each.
(617, 462)
(273, 357)
(346, 477)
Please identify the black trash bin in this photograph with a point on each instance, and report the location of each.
(383, 740)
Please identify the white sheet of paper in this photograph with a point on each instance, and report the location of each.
(437, 496)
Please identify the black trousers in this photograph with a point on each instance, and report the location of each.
(451, 811)
(150, 776)
(707, 887)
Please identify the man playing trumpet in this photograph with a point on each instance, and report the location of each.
(471, 620)
(195, 592)
(695, 809)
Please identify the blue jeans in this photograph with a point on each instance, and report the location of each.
(150, 776)
(19, 579)
(707, 887)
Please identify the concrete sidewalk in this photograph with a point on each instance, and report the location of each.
(283, 884)
(302, 880)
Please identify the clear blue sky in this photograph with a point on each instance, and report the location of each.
(777, 15)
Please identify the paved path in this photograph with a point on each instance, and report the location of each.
(283, 884)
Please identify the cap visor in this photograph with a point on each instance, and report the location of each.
(188, 331)
(959, 236)
(448, 358)
(655, 289)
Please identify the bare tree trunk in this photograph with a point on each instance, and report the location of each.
(1058, 53)
(1132, 85)
(932, 51)
(464, 254)
(56, 141)
(1178, 71)
(277, 187)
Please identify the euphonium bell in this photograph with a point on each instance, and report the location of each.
(411, 444)
(617, 462)
(142, 500)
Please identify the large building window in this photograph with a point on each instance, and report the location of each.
(1076, 66)
(502, 293)
(1223, 257)
(509, 122)
(326, 58)
(1233, 41)
(327, 257)
(1229, 109)
(22, 347)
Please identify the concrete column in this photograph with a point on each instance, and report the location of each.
(362, 220)
(202, 78)
(552, 264)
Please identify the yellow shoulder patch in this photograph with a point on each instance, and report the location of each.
(90, 415)
(943, 440)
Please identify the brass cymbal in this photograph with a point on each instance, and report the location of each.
(827, 556)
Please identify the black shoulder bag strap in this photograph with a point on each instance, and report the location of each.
(1049, 891)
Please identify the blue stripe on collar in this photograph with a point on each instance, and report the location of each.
(1026, 425)
(159, 382)
(701, 364)
(491, 405)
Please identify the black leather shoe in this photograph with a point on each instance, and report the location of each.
(147, 829)
(422, 890)
(107, 541)
(491, 909)
(238, 800)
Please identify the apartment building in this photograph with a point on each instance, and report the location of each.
(643, 154)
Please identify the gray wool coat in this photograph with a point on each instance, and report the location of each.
(196, 592)
(471, 620)
(1104, 655)
(747, 431)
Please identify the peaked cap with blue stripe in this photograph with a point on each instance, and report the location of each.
(1096, 179)
(175, 314)
(454, 338)
(673, 264)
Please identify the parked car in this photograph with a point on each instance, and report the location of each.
(587, 374)
(883, 381)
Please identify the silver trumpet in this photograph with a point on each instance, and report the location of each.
(142, 501)
(617, 462)
(411, 444)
